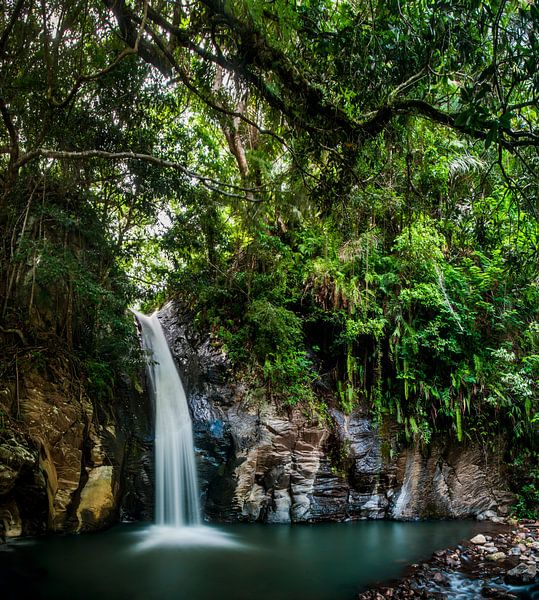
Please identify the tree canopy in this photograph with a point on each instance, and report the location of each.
(345, 192)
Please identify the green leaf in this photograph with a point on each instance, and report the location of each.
(492, 136)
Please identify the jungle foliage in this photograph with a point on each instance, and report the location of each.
(345, 192)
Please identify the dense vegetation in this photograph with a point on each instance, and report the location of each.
(346, 193)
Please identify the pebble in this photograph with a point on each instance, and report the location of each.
(440, 579)
(496, 556)
(453, 561)
(479, 539)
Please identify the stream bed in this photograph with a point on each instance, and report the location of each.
(332, 561)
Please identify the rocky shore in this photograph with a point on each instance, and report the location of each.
(501, 563)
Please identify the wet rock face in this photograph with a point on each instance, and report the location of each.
(451, 480)
(132, 445)
(23, 498)
(42, 462)
(354, 481)
(77, 465)
(256, 464)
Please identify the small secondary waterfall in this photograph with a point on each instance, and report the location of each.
(176, 487)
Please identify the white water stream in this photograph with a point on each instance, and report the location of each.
(176, 487)
(441, 285)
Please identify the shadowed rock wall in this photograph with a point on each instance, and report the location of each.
(67, 464)
(257, 464)
(71, 464)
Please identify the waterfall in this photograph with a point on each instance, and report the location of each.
(176, 487)
(446, 297)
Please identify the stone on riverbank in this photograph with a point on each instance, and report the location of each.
(523, 573)
(479, 539)
(471, 568)
(496, 556)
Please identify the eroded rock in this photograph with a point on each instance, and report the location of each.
(97, 499)
(60, 468)
(259, 464)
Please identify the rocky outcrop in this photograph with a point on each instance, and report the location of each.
(257, 464)
(97, 502)
(17, 459)
(71, 463)
(66, 462)
(457, 481)
(133, 440)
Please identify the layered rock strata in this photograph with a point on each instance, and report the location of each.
(257, 464)
(71, 463)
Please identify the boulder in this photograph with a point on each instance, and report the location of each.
(97, 500)
(521, 574)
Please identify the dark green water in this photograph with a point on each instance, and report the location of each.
(235, 562)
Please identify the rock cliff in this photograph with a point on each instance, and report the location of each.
(70, 463)
(257, 464)
(67, 463)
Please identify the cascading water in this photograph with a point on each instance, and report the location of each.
(176, 487)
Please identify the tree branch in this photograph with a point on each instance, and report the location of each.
(253, 59)
(208, 182)
(16, 332)
(129, 51)
(184, 78)
(5, 34)
(130, 33)
(13, 137)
